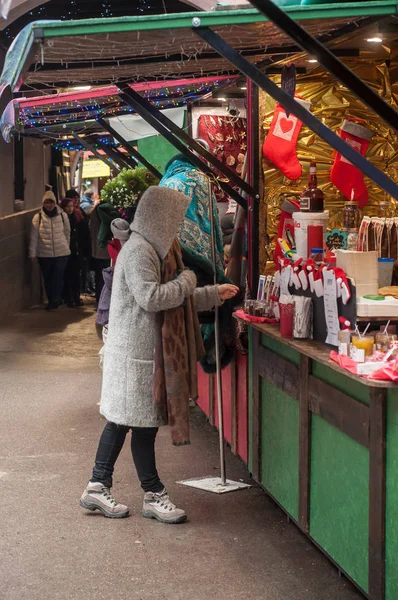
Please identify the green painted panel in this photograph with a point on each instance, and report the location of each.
(280, 446)
(281, 349)
(392, 406)
(157, 150)
(352, 388)
(339, 508)
(392, 496)
(250, 401)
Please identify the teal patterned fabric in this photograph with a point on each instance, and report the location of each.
(195, 240)
(195, 233)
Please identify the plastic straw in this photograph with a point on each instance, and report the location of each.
(357, 331)
(366, 330)
(386, 327)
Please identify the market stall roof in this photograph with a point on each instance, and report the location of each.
(59, 53)
(64, 113)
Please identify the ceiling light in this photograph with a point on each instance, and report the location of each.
(222, 99)
(244, 87)
(82, 88)
(312, 60)
(374, 40)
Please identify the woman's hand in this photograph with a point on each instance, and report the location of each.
(226, 291)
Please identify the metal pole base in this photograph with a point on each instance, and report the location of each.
(215, 485)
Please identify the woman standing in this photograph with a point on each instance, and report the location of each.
(72, 270)
(49, 243)
(151, 353)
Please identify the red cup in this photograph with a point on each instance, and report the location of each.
(286, 320)
(315, 237)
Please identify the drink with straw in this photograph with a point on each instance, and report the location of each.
(362, 345)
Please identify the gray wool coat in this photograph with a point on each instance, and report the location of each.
(137, 295)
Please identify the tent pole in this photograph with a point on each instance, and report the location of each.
(218, 344)
(290, 104)
(123, 161)
(92, 149)
(191, 156)
(106, 125)
(187, 139)
(327, 59)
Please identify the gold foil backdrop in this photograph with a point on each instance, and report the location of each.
(331, 103)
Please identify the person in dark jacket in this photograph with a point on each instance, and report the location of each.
(78, 232)
(86, 280)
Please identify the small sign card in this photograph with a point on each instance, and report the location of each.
(336, 240)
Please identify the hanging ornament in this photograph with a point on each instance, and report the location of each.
(344, 175)
(281, 142)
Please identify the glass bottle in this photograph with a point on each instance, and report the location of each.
(312, 199)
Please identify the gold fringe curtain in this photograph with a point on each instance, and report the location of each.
(331, 103)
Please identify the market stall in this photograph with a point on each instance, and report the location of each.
(323, 443)
(322, 324)
(317, 430)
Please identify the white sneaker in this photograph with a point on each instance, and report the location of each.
(160, 507)
(98, 497)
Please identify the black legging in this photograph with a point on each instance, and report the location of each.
(142, 449)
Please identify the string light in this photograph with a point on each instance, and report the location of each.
(110, 106)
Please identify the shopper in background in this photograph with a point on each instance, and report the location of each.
(88, 203)
(100, 259)
(86, 276)
(49, 243)
(78, 241)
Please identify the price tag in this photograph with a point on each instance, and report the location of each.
(331, 310)
(285, 280)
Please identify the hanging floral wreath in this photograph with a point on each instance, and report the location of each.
(125, 190)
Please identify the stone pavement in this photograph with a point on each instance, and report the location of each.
(233, 547)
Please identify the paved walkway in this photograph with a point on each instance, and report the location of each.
(236, 546)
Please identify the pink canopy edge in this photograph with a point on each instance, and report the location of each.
(113, 90)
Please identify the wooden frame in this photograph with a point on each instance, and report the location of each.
(362, 423)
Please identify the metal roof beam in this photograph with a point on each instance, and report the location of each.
(298, 110)
(193, 158)
(325, 57)
(89, 147)
(194, 145)
(124, 162)
(106, 125)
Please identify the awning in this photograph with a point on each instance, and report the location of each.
(66, 113)
(145, 48)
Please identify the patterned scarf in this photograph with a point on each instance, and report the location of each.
(178, 348)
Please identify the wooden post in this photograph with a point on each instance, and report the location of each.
(377, 493)
(212, 419)
(304, 444)
(234, 408)
(256, 413)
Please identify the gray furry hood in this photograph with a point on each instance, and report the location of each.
(159, 216)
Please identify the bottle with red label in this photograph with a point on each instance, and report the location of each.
(312, 199)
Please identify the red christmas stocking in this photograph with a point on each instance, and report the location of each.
(344, 175)
(281, 141)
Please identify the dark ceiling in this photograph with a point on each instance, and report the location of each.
(86, 9)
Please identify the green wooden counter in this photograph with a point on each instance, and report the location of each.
(324, 444)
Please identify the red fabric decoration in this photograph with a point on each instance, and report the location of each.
(240, 314)
(114, 248)
(385, 373)
(280, 144)
(344, 175)
(227, 139)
